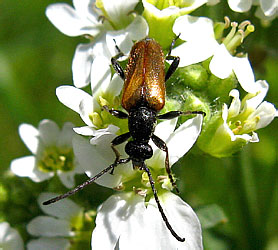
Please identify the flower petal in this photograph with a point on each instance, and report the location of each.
(151, 9)
(260, 14)
(123, 41)
(9, 238)
(65, 19)
(235, 105)
(266, 112)
(86, 8)
(181, 217)
(163, 130)
(94, 158)
(183, 138)
(221, 64)
(132, 223)
(254, 102)
(178, 142)
(64, 209)
(101, 134)
(65, 136)
(138, 29)
(26, 167)
(269, 7)
(244, 74)
(49, 227)
(240, 5)
(194, 51)
(89, 131)
(49, 132)
(101, 75)
(48, 243)
(192, 28)
(81, 65)
(29, 135)
(120, 216)
(255, 137)
(85, 130)
(67, 178)
(77, 100)
(118, 11)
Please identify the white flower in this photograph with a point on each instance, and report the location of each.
(249, 115)
(235, 127)
(10, 239)
(125, 216)
(52, 153)
(198, 32)
(168, 8)
(125, 221)
(161, 15)
(266, 10)
(56, 228)
(90, 107)
(84, 19)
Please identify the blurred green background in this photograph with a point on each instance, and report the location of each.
(35, 58)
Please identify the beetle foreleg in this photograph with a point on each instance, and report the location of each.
(117, 113)
(174, 114)
(117, 141)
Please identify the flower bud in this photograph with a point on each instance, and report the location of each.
(220, 88)
(194, 76)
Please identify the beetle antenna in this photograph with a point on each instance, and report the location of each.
(159, 205)
(173, 44)
(120, 53)
(86, 183)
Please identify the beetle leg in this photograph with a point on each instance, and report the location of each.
(116, 64)
(117, 141)
(162, 146)
(117, 113)
(174, 114)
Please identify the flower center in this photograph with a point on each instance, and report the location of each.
(244, 126)
(54, 159)
(237, 34)
(163, 4)
(101, 118)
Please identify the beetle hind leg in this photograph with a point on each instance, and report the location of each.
(165, 219)
(162, 146)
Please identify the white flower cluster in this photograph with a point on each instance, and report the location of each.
(131, 219)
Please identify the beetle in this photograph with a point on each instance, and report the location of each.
(143, 96)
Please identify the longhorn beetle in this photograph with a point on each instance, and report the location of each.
(143, 97)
